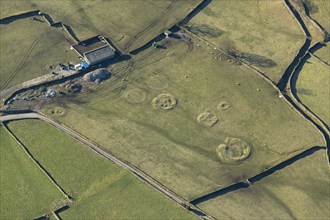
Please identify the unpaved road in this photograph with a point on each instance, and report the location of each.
(144, 177)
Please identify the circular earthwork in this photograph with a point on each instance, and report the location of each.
(135, 96)
(207, 118)
(157, 82)
(57, 111)
(233, 151)
(223, 106)
(164, 101)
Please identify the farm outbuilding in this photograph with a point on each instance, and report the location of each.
(99, 55)
(167, 32)
(95, 50)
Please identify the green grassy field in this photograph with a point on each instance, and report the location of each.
(100, 189)
(324, 54)
(129, 24)
(9, 7)
(321, 13)
(26, 192)
(312, 88)
(268, 41)
(28, 48)
(172, 145)
(316, 34)
(299, 191)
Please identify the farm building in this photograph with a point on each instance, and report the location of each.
(95, 50)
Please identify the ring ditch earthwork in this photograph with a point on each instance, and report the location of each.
(164, 101)
(234, 150)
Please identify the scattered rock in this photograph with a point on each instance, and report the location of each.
(50, 93)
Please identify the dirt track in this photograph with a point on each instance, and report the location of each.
(144, 177)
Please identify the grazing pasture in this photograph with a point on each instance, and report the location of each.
(29, 48)
(262, 33)
(26, 192)
(313, 88)
(299, 191)
(129, 24)
(324, 54)
(185, 109)
(321, 12)
(173, 143)
(100, 189)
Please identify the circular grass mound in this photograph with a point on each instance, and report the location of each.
(164, 101)
(207, 118)
(223, 106)
(58, 111)
(234, 151)
(135, 96)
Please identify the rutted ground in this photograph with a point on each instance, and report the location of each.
(299, 191)
(99, 188)
(247, 30)
(29, 48)
(172, 145)
(129, 24)
(25, 190)
(313, 88)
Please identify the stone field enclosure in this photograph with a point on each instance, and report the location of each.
(229, 113)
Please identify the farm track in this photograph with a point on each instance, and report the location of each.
(156, 21)
(140, 61)
(108, 155)
(126, 74)
(143, 176)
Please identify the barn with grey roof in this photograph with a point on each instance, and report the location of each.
(95, 50)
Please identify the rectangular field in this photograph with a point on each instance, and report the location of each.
(26, 192)
(129, 24)
(28, 49)
(100, 188)
(263, 33)
(299, 191)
